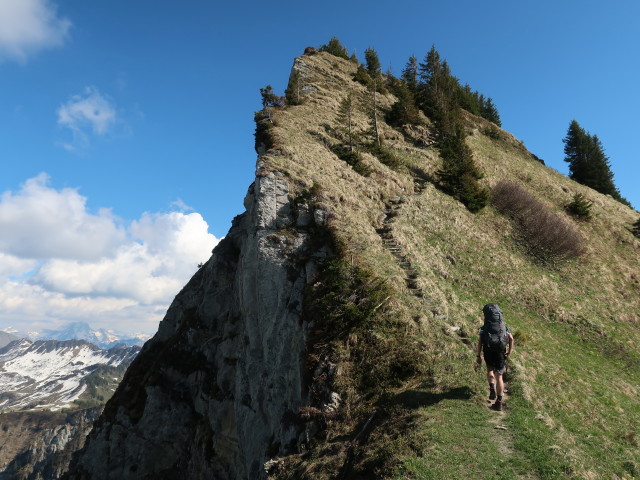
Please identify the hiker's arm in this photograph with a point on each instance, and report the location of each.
(510, 344)
(479, 351)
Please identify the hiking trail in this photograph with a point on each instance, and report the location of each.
(411, 275)
(501, 433)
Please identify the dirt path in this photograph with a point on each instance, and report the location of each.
(502, 435)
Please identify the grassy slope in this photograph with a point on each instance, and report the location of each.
(575, 380)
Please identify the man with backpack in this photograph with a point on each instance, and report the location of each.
(496, 342)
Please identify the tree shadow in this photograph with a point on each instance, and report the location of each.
(413, 399)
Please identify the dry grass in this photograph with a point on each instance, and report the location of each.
(579, 317)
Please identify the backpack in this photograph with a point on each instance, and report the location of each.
(495, 337)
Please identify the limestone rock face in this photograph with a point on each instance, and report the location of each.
(216, 392)
(39, 445)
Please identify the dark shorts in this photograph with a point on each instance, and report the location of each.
(495, 361)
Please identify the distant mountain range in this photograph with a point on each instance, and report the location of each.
(6, 338)
(78, 331)
(51, 374)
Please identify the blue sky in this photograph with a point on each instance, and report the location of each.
(127, 127)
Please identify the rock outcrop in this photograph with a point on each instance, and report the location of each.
(39, 445)
(216, 392)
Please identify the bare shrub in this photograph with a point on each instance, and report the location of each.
(547, 235)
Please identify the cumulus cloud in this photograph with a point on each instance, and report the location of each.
(41, 222)
(28, 26)
(66, 263)
(88, 114)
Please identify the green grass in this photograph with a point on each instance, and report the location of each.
(574, 410)
(460, 442)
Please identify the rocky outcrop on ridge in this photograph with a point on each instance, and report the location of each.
(216, 392)
(39, 445)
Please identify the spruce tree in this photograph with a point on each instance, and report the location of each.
(270, 101)
(334, 47)
(459, 174)
(404, 111)
(587, 161)
(490, 112)
(580, 207)
(293, 93)
(345, 115)
(373, 62)
(410, 74)
(437, 95)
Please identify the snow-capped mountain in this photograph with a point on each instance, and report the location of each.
(6, 338)
(83, 331)
(57, 374)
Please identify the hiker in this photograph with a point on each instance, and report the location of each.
(496, 341)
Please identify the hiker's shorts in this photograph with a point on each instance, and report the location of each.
(495, 361)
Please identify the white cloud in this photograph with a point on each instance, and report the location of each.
(180, 205)
(27, 26)
(60, 262)
(41, 222)
(88, 114)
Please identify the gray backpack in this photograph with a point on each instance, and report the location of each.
(495, 337)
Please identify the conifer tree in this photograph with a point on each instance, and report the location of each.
(269, 101)
(437, 93)
(334, 47)
(404, 111)
(459, 174)
(345, 114)
(587, 161)
(294, 89)
(410, 74)
(373, 62)
(374, 112)
(490, 112)
(580, 207)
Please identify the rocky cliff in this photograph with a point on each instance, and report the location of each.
(267, 344)
(39, 445)
(215, 392)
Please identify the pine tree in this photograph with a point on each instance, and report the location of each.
(373, 62)
(437, 95)
(587, 161)
(490, 112)
(410, 74)
(374, 113)
(362, 76)
(270, 101)
(404, 111)
(345, 115)
(334, 47)
(580, 207)
(459, 174)
(294, 89)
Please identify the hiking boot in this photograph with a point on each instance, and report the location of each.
(492, 394)
(497, 406)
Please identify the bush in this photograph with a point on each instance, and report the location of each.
(362, 76)
(385, 156)
(353, 158)
(547, 236)
(334, 47)
(635, 229)
(580, 207)
(492, 132)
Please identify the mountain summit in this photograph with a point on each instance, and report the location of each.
(332, 332)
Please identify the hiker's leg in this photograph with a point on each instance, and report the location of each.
(499, 385)
(490, 377)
